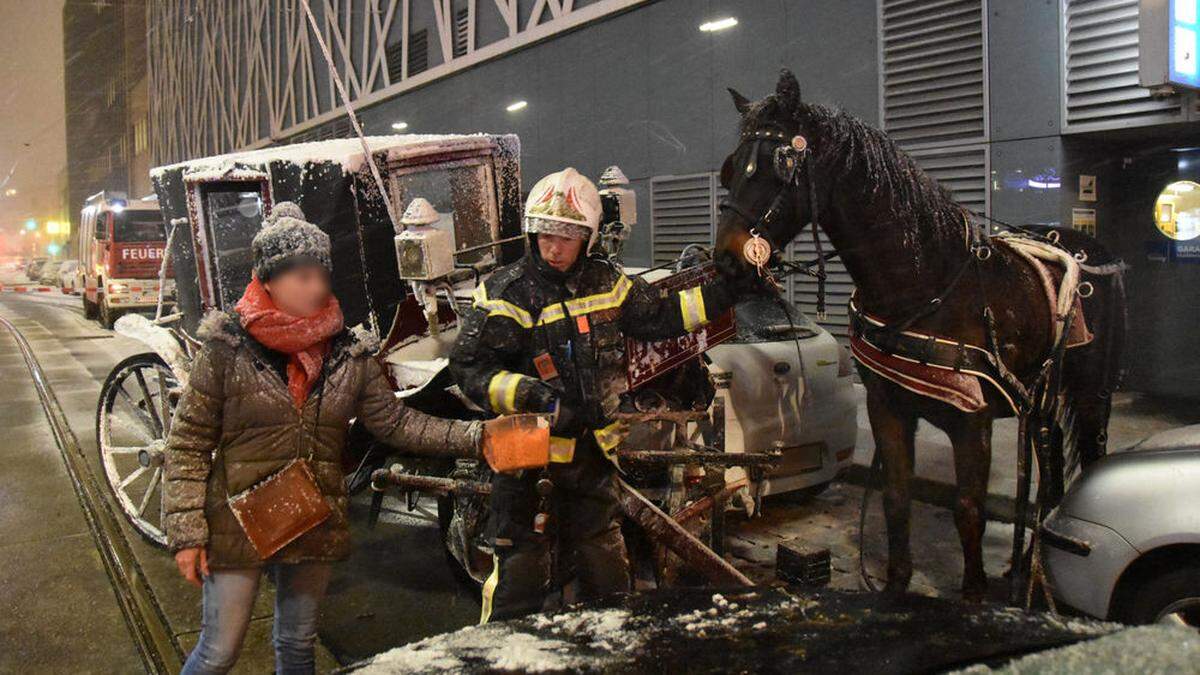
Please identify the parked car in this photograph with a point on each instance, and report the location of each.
(66, 276)
(48, 273)
(1124, 544)
(790, 389)
(34, 268)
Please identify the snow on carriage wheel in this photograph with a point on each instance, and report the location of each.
(133, 419)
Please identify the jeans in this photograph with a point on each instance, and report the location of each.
(229, 600)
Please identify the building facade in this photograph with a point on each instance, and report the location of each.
(1015, 105)
(107, 100)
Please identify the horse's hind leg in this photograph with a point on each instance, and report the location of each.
(971, 436)
(894, 432)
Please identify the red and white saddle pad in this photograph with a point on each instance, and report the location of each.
(1059, 274)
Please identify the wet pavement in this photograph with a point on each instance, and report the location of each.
(397, 587)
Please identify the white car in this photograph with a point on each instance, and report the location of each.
(790, 389)
(66, 276)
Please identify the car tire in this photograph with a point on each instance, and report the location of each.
(90, 310)
(1172, 596)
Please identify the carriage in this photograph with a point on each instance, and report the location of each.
(403, 286)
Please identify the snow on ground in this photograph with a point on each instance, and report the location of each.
(1146, 650)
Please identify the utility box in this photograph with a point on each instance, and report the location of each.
(1168, 32)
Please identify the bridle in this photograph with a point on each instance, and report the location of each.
(792, 164)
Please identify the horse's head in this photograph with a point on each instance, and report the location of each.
(768, 175)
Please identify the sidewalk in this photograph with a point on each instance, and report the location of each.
(1134, 417)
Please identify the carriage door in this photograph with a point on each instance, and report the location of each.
(226, 214)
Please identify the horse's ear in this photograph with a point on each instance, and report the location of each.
(787, 91)
(740, 102)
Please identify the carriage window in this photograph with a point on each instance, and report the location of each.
(1177, 210)
(464, 195)
(233, 214)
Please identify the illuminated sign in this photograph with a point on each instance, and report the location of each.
(1168, 35)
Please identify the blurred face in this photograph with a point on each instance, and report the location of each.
(559, 252)
(300, 291)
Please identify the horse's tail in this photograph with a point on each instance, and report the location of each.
(1092, 372)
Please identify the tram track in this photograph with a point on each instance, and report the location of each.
(156, 643)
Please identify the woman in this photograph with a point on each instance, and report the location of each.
(276, 379)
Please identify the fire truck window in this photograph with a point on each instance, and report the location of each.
(465, 196)
(138, 226)
(232, 218)
(1177, 210)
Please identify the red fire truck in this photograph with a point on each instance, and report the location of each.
(121, 246)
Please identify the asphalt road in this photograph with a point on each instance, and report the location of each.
(395, 588)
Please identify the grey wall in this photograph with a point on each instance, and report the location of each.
(646, 89)
(1024, 103)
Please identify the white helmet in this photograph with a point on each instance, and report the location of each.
(566, 204)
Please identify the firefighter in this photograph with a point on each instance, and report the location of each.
(547, 334)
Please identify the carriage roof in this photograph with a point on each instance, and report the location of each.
(332, 183)
(345, 151)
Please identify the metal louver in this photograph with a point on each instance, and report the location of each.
(1100, 69)
(932, 71)
(962, 170)
(683, 210)
(838, 287)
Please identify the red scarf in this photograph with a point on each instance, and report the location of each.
(304, 339)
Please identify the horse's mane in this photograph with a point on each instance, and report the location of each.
(854, 155)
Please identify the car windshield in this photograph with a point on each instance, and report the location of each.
(767, 319)
(130, 225)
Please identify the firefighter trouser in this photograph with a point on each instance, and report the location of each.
(585, 523)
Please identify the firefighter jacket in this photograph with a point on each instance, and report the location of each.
(530, 326)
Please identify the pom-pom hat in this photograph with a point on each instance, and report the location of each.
(286, 240)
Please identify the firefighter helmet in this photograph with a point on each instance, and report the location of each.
(566, 204)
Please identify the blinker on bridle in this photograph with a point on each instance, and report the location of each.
(788, 157)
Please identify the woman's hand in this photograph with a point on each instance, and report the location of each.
(192, 563)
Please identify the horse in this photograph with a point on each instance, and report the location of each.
(920, 263)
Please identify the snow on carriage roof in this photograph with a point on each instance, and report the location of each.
(346, 151)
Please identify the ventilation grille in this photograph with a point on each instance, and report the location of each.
(962, 170)
(932, 71)
(838, 287)
(418, 52)
(461, 27)
(1100, 69)
(683, 210)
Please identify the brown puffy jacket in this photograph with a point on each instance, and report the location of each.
(236, 424)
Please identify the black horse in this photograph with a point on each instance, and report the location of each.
(917, 260)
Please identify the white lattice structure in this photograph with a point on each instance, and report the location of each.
(234, 74)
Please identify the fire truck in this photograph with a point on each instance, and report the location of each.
(121, 246)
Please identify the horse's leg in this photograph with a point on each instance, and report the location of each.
(894, 431)
(971, 436)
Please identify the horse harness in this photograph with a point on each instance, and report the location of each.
(792, 161)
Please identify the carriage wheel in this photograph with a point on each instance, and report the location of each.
(133, 419)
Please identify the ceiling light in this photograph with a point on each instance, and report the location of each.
(399, 126)
(518, 105)
(719, 24)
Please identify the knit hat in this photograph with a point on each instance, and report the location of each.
(287, 239)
